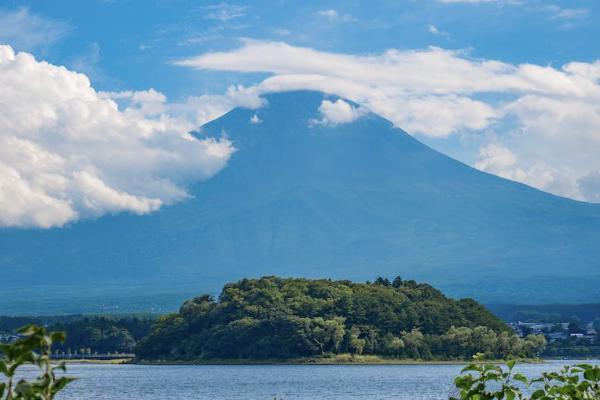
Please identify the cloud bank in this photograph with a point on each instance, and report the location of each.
(69, 152)
(548, 118)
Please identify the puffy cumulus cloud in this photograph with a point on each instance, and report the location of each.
(69, 152)
(436, 116)
(555, 117)
(339, 112)
(590, 71)
(562, 133)
(501, 161)
(552, 114)
(495, 159)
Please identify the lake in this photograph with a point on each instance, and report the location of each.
(293, 382)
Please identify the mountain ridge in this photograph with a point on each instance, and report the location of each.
(300, 198)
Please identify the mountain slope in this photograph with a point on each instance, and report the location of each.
(349, 201)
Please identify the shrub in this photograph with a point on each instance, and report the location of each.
(32, 348)
(492, 382)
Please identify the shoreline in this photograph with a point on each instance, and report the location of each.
(115, 361)
(306, 361)
(325, 361)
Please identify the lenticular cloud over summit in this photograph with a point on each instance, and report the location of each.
(546, 116)
(69, 152)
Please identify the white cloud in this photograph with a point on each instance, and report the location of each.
(435, 31)
(495, 159)
(590, 186)
(339, 112)
(552, 113)
(432, 71)
(547, 10)
(331, 14)
(421, 91)
(255, 119)
(282, 32)
(501, 161)
(27, 31)
(480, 1)
(335, 16)
(69, 152)
(223, 12)
(557, 12)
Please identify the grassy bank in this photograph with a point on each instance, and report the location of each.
(92, 361)
(339, 359)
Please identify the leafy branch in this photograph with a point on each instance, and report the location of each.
(492, 382)
(34, 347)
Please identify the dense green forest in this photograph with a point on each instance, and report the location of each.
(88, 334)
(276, 318)
(102, 334)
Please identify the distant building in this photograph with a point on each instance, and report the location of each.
(554, 336)
(8, 337)
(590, 330)
(554, 332)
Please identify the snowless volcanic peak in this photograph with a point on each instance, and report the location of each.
(320, 187)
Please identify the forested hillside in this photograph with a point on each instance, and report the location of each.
(276, 318)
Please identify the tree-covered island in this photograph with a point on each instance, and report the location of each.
(274, 318)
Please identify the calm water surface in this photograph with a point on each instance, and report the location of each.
(293, 382)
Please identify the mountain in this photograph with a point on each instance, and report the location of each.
(302, 198)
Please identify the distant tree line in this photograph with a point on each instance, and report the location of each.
(548, 313)
(276, 318)
(102, 334)
(572, 348)
(93, 334)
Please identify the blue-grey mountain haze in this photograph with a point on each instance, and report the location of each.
(299, 198)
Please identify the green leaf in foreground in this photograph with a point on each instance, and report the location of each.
(34, 347)
(483, 382)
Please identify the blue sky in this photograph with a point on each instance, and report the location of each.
(510, 87)
(127, 45)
